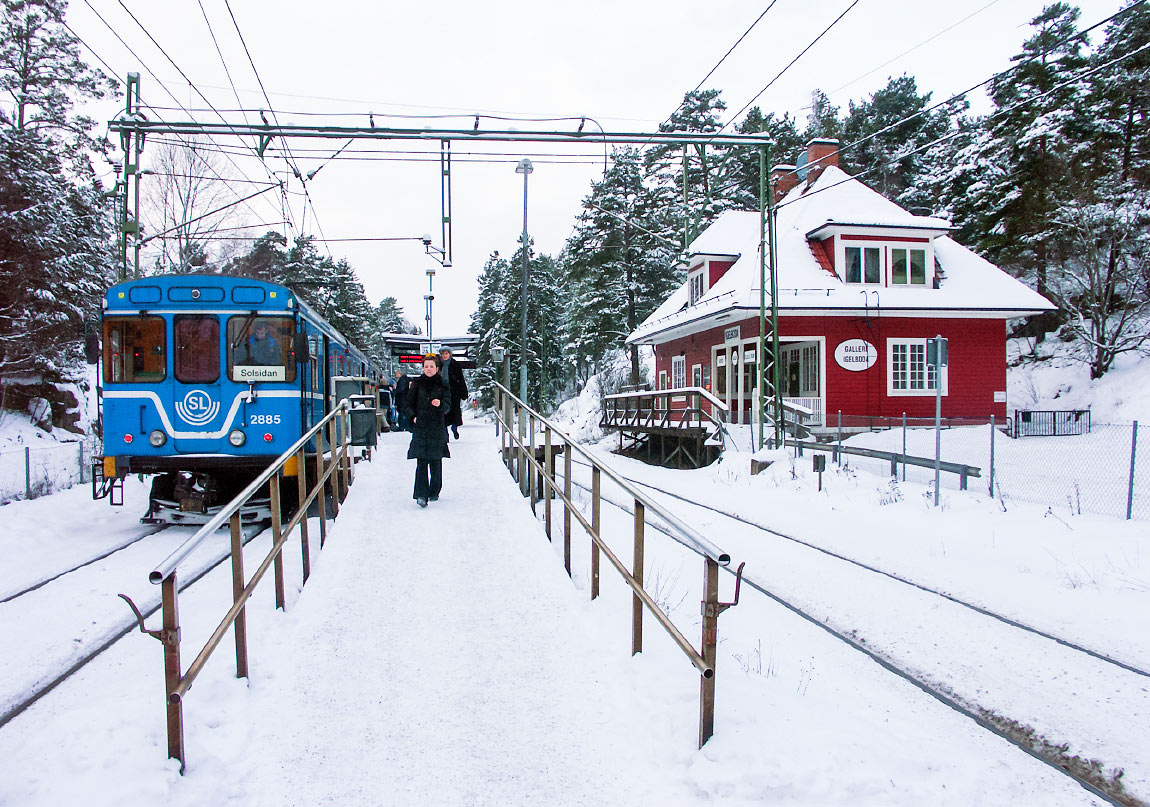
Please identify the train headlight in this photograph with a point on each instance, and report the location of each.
(237, 438)
(157, 438)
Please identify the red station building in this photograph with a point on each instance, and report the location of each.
(862, 285)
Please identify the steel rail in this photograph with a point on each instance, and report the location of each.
(120, 633)
(169, 564)
(950, 701)
(898, 578)
(693, 537)
(145, 127)
(152, 530)
(705, 669)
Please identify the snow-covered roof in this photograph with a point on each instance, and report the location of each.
(973, 287)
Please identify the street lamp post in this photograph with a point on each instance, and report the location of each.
(524, 168)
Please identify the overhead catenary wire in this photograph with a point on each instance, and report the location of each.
(160, 48)
(952, 135)
(152, 73)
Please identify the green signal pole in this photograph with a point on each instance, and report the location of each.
(767, 261)
(132, 145)
(762, 356)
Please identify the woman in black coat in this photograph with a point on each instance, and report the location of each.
(427, 403)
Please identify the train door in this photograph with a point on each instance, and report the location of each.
(327, 402)
(196, 361)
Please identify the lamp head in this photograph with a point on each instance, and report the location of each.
(524, 167)
(426, 239)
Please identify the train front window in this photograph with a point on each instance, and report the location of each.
(260, 349)
(197, 341)
(134, 350)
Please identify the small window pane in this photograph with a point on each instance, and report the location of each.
(260, 349)
(134, 350)
(197, 343)
(918, 266)
(873, 273)
(898, 266)
(854, 265)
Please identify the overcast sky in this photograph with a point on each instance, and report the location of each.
(624, 64)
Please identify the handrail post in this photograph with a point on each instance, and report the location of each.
(301, 482)
(567, 511)
(548, 479)
(241, 623)
(595, 522)
(171, 639)
(345, 450)
(321, 496)
(637, 573)
(710, 649)
(530, 466)
(333, 477)
(277, 528)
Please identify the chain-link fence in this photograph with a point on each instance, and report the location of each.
(32, 471)
(1102, 470)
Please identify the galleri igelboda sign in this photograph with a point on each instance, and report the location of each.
(856, 355)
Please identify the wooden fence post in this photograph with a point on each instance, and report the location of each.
(637, 573)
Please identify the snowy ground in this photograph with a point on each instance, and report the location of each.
(442, 655)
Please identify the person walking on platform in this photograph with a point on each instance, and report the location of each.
(427, 404)
(400, 391)
(457, 390)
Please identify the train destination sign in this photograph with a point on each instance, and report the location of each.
(856, 355)
(250, 373)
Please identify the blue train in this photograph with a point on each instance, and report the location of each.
(205, 380)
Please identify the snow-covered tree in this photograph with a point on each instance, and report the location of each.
(55, 222)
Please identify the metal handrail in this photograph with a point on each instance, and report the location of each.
(339, 471)
(691, 537)
(169, 564)
(706, 394)
(530, 466)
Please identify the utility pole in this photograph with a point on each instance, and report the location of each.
(132, 143)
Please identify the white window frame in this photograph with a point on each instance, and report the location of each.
(678, 372)
(927, 280)
(662, 385)
(696, 375)
(863, 247)
(928, 389)
(696, 284)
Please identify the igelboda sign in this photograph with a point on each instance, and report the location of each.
(856, 355)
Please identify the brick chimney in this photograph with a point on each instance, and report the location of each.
(820, 154)
(783, 178)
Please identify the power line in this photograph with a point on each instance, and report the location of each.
(111, 72)
(178, 69)
(790, 64)
(144, 64)
(732, 49)
(952, 135)
(926, 41)
(1000, 74)
(223, 61)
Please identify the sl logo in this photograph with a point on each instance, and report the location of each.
(197, 408)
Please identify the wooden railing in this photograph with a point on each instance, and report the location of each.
(533, 467)
(339, 469)
(653, 409)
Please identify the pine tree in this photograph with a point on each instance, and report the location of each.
(741, 175)
(823, 120)
(55, 223)
(1031, 132)
(892, 129)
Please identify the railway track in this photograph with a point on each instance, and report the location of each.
(1086, 773)
(144, 532)
(120, 628)
(1014, 623)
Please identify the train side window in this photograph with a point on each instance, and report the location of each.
(134, 350)
(197, 345)
(260, 349)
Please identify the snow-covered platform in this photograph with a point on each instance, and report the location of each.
(443, 656)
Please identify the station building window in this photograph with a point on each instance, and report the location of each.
(678, 372)
(908, 372)
(864, 265)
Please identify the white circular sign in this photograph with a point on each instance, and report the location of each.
(856, 355)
